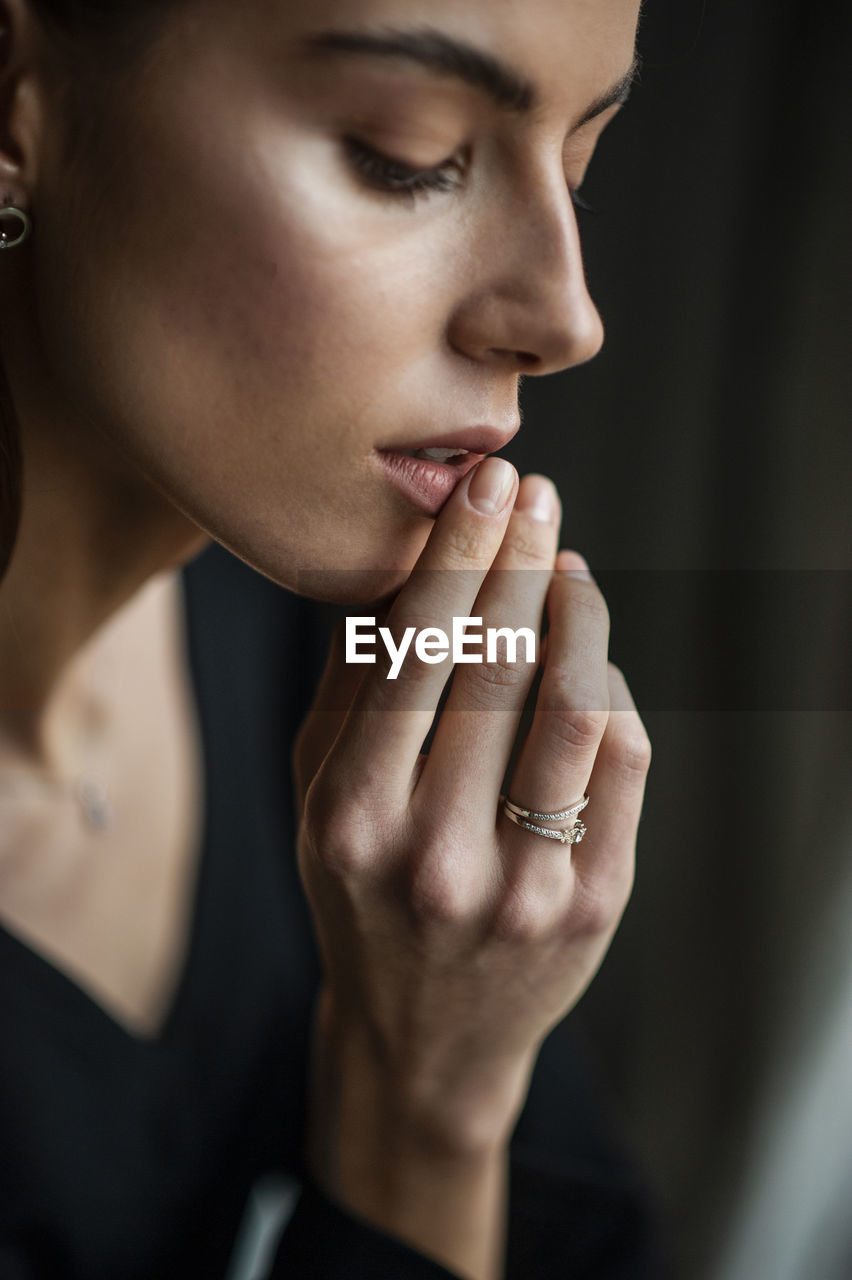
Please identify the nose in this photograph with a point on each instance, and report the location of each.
(526, 304)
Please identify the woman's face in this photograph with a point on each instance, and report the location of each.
(303, 236)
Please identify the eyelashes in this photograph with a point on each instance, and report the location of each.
(393, 177)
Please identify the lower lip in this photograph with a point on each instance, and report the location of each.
(425, 483)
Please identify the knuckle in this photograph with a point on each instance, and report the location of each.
(630, 755)
(414, 616)
(578, 720)
(437, 898)
(465, 547)
(524, 548)
(338, 834)
(490, 679)
(520, 918)
(597, 908)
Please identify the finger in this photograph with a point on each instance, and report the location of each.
(383, 733)
(340, 679)
(605, 858)
(572, 707)
(334, 696)
(478, 725)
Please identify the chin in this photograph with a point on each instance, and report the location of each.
(343, 586)
(347, 572)
(348, 586)
(363, 571)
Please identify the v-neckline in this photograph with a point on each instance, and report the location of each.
(67, 989)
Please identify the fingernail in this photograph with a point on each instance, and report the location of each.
(537, 498)
(492, 486)
(572, 562)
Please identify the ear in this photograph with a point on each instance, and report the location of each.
(22, 62)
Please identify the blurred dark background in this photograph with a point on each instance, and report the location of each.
(705, 460)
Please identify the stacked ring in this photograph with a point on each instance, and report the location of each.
(521, 817)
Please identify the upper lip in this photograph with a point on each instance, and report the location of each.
(480, 439)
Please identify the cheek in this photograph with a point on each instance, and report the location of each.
(251, 286)
(234, 311)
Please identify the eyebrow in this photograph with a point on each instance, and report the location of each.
(447, 56)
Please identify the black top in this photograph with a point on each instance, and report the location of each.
(130, 1159)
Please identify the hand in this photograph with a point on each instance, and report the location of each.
(453, 941)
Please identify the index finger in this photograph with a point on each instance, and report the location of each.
(389, 719)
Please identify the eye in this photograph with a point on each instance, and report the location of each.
(384, 173)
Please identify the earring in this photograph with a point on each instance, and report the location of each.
(10, 239)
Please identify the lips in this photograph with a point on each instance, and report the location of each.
(428, 482)
(479, 440)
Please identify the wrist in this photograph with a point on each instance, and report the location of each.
(438, 1111)
(421, 1155)
(446, 1199)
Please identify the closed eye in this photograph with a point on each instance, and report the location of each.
(394, 177)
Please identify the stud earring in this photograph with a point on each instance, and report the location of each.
(16, 233)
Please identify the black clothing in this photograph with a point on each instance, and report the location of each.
(129, 1159)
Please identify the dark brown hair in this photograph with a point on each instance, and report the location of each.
(99, 37)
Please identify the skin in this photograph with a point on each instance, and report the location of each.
(218, 322)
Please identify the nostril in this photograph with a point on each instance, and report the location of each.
(526, 360)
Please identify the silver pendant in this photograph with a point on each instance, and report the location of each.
(94, 804)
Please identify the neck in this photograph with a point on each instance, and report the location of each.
(93, 533)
